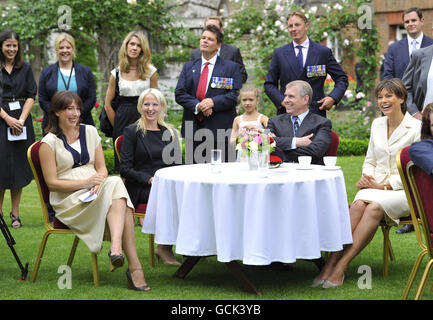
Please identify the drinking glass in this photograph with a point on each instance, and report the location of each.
(216, 160)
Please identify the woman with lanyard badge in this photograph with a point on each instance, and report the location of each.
(16, 128)
(67, 75)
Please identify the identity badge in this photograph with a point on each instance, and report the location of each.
(14, 105)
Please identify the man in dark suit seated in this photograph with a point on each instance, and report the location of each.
(304, 59)
(398, 55)
(300, 132)
(208, 90)
(226, 51)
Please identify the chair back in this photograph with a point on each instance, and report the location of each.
(418, 187)
(422, 185)
(44, 193)
(333, 147)
(118, 145)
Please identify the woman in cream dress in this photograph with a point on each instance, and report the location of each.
(73, 164)
(381, 194)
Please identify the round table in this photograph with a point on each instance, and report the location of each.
(293, 213)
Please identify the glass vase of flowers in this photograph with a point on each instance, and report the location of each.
(251, 143)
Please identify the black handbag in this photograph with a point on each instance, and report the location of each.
(104, 122)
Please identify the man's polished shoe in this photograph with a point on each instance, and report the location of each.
(405, 229)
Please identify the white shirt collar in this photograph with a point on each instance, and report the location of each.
(301, 116)
(304, 44)
(212, 60)
(418, 39)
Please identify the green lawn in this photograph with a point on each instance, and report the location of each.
(208, 280)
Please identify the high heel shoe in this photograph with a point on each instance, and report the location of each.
(328, 284)
(131, 285)
(116, 261)
(171, 260)
(15, 219)
(317, 283)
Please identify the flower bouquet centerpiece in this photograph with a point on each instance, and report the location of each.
(252, 143)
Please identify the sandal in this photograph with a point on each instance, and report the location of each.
(15, 219)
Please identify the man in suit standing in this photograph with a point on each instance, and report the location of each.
(418, 81)
(226, 51)
(304, 59)
(299, 131)
(398, 55)
(208, 89)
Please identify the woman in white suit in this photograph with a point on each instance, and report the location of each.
(381, 195)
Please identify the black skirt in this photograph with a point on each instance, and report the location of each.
(126, 114)
(15, 171)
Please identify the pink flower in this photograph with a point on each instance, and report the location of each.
(258, 140)
(40, 119)
(96, 105)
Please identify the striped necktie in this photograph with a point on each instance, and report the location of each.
(295, 120)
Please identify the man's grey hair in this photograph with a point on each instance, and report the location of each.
(304, 89)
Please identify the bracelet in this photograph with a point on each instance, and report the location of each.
(21, 121)
(385, 187)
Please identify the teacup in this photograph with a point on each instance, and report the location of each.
(304, 161)
(330, 161)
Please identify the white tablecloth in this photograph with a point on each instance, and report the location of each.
(238, 215)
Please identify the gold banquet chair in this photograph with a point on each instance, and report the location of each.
(388, 253)
(418, 187)
(140, 210)
(56, 227)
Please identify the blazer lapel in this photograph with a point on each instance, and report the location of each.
(426, 60)
(196, 71)
(305, 125)
(405, 52)
(291, 60)
(400, 131)
(224, 52)
(216, 70)
(144, 142)
(286, 125)
(79, 77)
(311, 58)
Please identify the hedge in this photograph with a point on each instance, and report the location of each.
(348, 147)
(109, 160)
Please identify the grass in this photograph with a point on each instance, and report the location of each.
(209, 280)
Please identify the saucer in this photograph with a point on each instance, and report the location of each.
(331, 167)
(309, 167)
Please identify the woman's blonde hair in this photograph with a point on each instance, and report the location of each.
(62, 37)
(144, 59)
(141, 123)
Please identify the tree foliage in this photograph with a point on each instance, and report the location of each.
(99, 24)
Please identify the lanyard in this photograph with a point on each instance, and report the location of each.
(70, 76)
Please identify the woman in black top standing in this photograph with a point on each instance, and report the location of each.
(16, 127)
